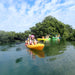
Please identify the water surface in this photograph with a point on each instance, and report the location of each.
(57, 58)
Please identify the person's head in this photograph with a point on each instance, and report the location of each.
(32, 37)
(42, 37)
(29, 36)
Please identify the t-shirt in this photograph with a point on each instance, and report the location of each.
(32, 41)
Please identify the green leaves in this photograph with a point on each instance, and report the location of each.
(50, 25)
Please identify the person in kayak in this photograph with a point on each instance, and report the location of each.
(42, 37)
(33, 40)
(29, 39)
(27, 42)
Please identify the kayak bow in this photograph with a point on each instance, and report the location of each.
(36, 47)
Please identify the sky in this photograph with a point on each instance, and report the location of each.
(20, 15)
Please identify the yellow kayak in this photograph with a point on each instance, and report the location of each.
(36, 47)
(40, 39)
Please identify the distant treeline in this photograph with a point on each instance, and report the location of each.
(10, 37)
(50, 25)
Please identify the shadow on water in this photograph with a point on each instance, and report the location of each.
(19, 60)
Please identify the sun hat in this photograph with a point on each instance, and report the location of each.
(32, 36)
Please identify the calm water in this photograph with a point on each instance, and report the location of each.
(57, 58)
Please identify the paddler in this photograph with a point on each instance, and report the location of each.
(33, 40)
(27, 42)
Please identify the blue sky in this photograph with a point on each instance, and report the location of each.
(20, 15)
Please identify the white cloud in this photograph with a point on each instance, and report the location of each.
(22, 18)
(72, 8)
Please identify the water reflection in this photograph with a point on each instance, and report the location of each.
(5, 49)
(55, 41)
(51, 59)
(33, 53)
(18, 49)
(54, 48)
(19, 60)
(54, 59)
(73, 43)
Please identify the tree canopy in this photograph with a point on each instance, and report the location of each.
(50, 25)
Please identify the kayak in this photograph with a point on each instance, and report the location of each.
(40, 39)
(36, 47)
(55, 37)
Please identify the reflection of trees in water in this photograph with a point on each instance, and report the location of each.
(54, 42)
(73, 43)
(55, 48)
(51, 59)
(18, 49)
(6, 47)
(19, 60)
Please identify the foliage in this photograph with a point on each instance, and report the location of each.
(8, 37)
(50, 25)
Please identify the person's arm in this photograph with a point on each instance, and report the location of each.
(35, 42)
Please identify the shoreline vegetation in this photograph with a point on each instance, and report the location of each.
(50, 25)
